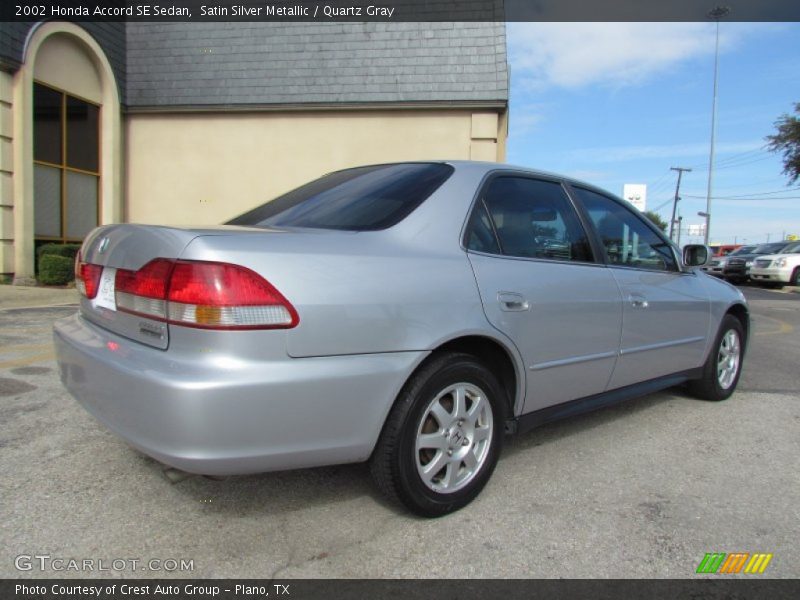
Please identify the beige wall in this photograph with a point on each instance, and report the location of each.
(6, 174)
(64, 63)
(205, 168)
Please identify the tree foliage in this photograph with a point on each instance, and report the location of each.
(656, 219)
(787, 142)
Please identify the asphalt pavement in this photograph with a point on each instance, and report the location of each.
(644, 489)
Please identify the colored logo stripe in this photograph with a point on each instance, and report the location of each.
(711, 562)
(735, 562)
(720, 562)
(758, 563)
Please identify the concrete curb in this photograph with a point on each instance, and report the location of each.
(15, 296)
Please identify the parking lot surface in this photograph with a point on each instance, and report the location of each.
(644, 489)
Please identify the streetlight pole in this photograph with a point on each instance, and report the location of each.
(717, 13)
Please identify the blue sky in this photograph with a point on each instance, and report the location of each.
(616, 103)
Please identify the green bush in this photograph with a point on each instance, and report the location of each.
(56, 270)
(67, 250)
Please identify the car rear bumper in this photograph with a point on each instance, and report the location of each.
(224, 417)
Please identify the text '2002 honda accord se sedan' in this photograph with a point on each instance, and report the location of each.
(406, 314)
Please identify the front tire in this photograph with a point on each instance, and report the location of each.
(724, 365)
(443, 436)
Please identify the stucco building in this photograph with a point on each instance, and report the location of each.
(190, 123)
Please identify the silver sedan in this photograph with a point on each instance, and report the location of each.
(407, 314)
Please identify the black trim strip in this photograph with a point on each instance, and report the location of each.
(537, 418)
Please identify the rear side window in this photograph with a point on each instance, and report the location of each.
(532, 219)
(360, 199)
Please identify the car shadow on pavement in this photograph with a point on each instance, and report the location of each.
(578, 424)
(274, 493)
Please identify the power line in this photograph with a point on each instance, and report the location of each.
(732, 158)
(734, 197)
(737, 165)
(743, 198)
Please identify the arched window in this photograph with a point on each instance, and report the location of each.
(66, 156)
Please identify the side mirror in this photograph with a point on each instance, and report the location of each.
(696, 255)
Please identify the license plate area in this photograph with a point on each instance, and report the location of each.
(105, 293)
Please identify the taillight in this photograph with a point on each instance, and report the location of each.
(144, 292)
(203, 294)
(87, 277)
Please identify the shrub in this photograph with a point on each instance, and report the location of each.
(56, 270)
(67, 250)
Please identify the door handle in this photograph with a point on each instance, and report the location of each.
(512, 302)
(638, 301)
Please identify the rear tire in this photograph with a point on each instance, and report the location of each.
(724, 364)
(443, 436)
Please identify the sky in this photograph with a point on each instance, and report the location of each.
(616, 103)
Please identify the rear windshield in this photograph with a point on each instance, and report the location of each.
(360, 199)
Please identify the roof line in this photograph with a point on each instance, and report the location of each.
(319, 106)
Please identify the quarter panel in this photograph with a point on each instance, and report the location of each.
(358, 293)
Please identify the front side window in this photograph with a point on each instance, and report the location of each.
(66, 157)
(360, 199)
(627, 240)
(531, 219)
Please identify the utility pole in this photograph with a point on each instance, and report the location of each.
(680, 224)
(680, 171)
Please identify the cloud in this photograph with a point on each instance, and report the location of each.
(609, 154)
(527, 118)
(573, 55)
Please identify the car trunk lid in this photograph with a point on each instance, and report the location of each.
(128, 248)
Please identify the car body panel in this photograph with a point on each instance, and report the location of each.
(569, 351)
(208, 408)
(665, 324)
(357, 293)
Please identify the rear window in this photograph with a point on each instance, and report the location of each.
(360, 199)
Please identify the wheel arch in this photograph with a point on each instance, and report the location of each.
(740, 312)
(497, 357)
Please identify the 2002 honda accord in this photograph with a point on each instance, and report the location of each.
(406, 314)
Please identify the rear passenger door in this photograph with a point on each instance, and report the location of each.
(541, 285)
(665, 318)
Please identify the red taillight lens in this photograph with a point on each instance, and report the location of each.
(149, 282)
(144, 292)
(225, 296)
(87, 277)
(203, 294)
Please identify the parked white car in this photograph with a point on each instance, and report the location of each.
(778, 269)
